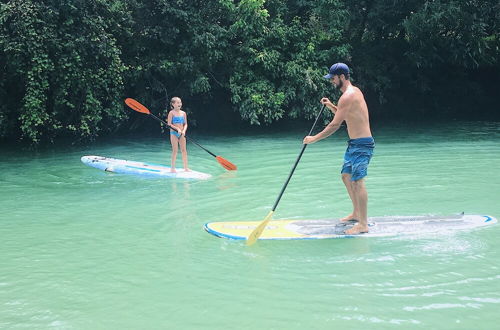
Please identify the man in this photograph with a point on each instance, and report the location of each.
(353, 110)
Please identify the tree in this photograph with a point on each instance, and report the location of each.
(64, 72)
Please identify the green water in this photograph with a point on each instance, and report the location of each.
(85, 249)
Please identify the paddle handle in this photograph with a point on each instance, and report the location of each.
(189, 139)
(297, 161)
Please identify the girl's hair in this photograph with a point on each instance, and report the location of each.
(173, 99)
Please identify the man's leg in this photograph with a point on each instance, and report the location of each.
(346, 178)
(361, 197)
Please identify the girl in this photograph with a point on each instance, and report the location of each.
(178, 119)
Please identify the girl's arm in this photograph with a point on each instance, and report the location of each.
(169, 118)
(185, 124)
(169, 122)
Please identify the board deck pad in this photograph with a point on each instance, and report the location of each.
(139, 168)
(333, 228)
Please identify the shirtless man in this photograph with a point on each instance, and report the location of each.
(352, 109)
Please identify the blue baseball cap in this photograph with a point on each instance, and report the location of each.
(337, 69)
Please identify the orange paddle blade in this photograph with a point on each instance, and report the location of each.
(226, 164)
(134, 105)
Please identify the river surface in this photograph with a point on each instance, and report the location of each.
(84, 249)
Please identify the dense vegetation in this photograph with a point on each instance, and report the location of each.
(67, 65)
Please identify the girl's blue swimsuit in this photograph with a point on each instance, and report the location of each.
(177, 120)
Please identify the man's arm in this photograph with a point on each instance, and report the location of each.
(329, 104)
(333, 126)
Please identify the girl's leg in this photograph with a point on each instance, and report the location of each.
(175, 144)
(182, 142)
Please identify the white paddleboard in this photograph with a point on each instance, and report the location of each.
(139, 168)
(333, 228)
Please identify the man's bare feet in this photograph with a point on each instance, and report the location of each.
(349, 218)
(356, 230)
(187, 170)
(172, 170)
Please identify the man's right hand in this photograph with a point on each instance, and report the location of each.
(329, 104)
(325, 101)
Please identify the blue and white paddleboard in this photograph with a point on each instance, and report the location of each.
(333, 228)
(139, 168)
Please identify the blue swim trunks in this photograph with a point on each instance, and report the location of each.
(357, 157)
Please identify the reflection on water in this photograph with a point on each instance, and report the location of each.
(180, 188)
(227, 180)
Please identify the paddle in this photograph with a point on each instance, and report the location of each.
(255, 234)
(134, 105)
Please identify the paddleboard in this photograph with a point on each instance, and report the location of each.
(333, 228)
(139, 168)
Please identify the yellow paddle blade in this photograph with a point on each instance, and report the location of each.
(255, 234)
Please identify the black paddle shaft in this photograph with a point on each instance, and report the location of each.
(297, 161)
(189, 139)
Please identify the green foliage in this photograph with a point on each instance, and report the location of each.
(66, 69)
(279, 60)
(67, 65)
(453, 32)
(402, 50)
